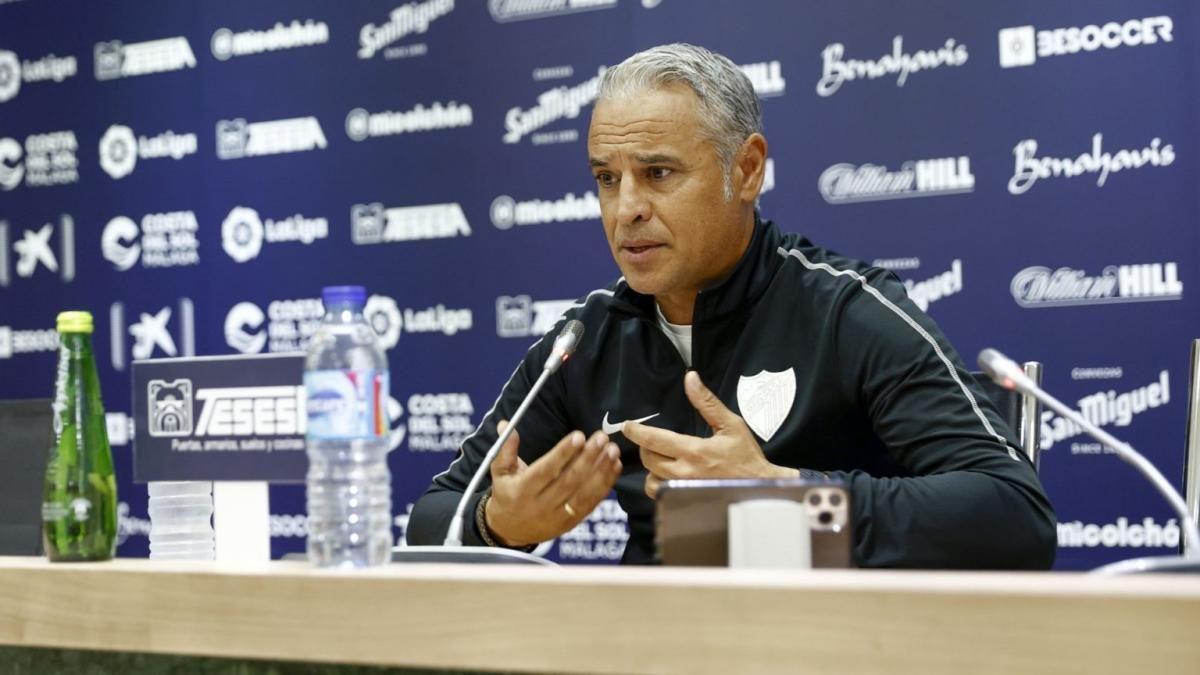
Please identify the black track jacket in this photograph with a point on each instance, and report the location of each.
(854, 380)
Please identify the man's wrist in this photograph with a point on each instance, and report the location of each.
(782, 472)
(487, 532)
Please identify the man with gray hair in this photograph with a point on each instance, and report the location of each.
(731, 350)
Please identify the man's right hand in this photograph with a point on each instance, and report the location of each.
(532, 503)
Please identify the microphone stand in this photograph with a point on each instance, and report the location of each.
(1007, 374)
(452, 549)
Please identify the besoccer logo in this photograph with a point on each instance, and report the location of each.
(1024, 45)
(1017, 46)
(10, 75)
(242, 234)
(170, 407)
(118, 151)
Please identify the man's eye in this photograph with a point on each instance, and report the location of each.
(659, 172)
(605, 179)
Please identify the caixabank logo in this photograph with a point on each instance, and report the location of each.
(120, 149)
(115, 59)
(1024, 45)
(49, 68)
(157, 331)
(413, 18)
(46, 249)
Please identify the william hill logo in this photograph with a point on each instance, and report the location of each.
(847, 183)
(1043, 287)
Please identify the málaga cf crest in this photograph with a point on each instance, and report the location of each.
(766, 399)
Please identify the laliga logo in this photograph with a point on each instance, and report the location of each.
(119, 243)
(243, 316)
(118, 151)
(10, 75)
(385, 318)
(242, 234)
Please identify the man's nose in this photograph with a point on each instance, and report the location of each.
(632, 205)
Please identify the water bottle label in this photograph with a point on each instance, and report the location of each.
(344, 404)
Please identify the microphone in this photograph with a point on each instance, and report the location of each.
(452, 549)
(1009, 375)
(564, 347)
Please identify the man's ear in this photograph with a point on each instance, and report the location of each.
(749, 168)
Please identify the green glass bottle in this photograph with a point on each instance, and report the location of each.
(79, 505)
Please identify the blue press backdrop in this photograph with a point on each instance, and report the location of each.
(194, 172)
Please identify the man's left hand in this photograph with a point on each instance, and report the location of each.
(731, 452)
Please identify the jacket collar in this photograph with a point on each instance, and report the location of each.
(734, 294)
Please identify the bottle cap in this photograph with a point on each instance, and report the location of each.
(75, 322)
(341, 295)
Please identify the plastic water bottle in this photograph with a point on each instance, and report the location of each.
(181, 520)
(349, 486)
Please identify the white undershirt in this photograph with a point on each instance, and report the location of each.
(680, 336)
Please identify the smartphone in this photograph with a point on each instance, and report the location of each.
(692, 523)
